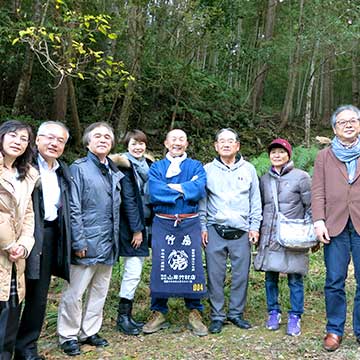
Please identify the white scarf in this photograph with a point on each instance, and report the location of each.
(174, 168)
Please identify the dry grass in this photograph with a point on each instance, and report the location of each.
(232, 343)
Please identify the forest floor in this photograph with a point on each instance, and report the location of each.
(232, 343)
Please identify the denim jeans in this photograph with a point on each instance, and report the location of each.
(296, 286)
(337, 258)
(160, 304)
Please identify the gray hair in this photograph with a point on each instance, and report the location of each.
(341, 109)
(90, 128)
(43, 125)
(217, 135)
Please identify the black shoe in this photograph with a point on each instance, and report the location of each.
(95, 340)
(138, 324)
(240, 322)
(29, 356)
(71, 347)
(358, 340)
(216, 326)
(125, 325)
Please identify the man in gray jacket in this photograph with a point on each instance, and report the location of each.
(230, 219)
(97, 191)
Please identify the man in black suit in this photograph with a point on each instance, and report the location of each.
(51, 252)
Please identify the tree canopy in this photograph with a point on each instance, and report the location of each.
(260, 66)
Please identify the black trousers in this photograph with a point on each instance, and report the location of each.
(9, 321)
(34, 311)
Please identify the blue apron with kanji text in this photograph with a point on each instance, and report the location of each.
(177, 268)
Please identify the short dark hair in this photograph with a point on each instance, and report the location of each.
(90, 128)
(237, 138)
(137, 135)
(22, 162)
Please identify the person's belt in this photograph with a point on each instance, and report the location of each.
(177, 217)
(53, 223)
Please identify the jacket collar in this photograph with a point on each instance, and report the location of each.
(285, 169)
(239, 161)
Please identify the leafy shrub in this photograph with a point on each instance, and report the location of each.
(303, 159)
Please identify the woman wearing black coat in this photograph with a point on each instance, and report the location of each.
(134, 165)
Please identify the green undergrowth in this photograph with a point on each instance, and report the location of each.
(232, 343)
(302, 157)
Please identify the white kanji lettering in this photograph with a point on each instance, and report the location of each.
(186, 240)
(170, 239)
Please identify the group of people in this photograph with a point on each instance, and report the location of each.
(76, 222)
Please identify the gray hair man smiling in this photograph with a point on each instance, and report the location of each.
(230, 217)
(51, 252)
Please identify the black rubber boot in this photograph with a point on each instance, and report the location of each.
(138, 324)
(123, 322)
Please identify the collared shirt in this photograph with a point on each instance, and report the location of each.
(50, 188)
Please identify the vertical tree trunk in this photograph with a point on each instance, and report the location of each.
(136, 30)
(293, 73)
(75, 121)
(301, 88)
(326, 94)
(26, 72)
(355, 73)
(60, 101)
(238, 47)
(307, 119)
(24, 82)
(317, 103)
(258, 89)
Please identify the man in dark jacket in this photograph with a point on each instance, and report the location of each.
(97, 191)
(51, 252)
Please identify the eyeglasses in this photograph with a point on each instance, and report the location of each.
(22, 139)
(52, 138)
(343, 123)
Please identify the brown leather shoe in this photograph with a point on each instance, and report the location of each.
(332, 342)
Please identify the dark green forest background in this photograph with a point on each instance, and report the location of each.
(264, 67)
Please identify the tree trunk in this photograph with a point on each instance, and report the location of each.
(355, 73)
(287, 109)
(302, 91)
(238, 47)
(75, 121)
(309, 96)
(327, 92)
(24, 82)
(60, 101)
(258, 89)
(26, 72)
(136, 30)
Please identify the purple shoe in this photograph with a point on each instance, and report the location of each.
(294, 325)
(274, 320)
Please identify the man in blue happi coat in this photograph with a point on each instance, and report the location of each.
(176, 184)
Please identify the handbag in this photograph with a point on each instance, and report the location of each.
(293, 233)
